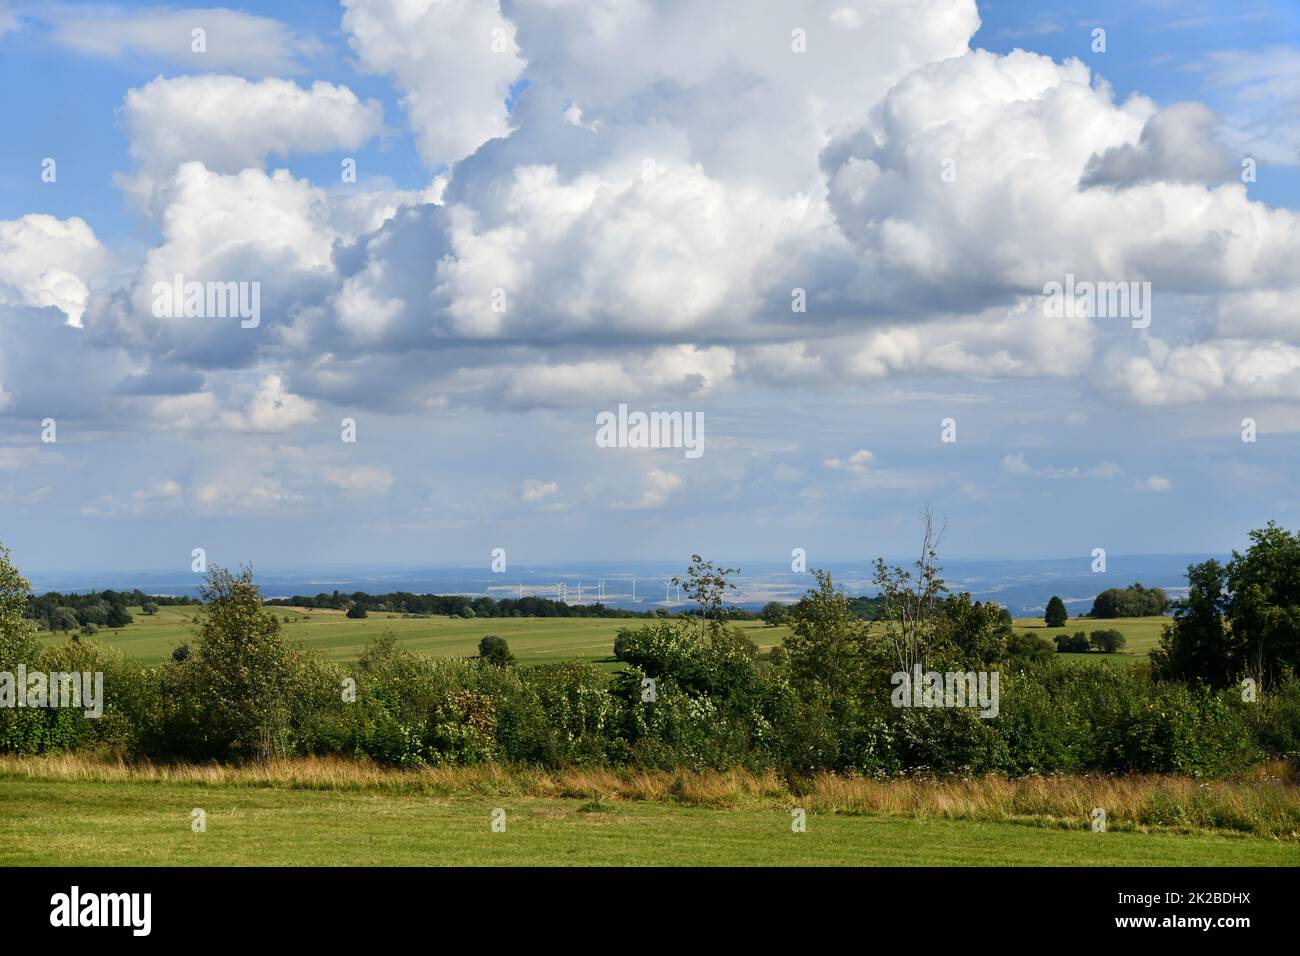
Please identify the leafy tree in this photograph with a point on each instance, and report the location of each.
(707, 585)
(1197, 644)
(867, 608)
(241, 668)
(1238, 619)
(181, 653)
(63, 619)
(969, 634)
(149, 608)
(495, 650)
(118, 616)
(93, 613)
(1132, 601)
(1076, 643)
(357, 611)
(1028, 647)
(1264, 613)
(827, 649)
(1109, 641)
(773, 613)
(720, 664)
(18, 642)
(1056, 615)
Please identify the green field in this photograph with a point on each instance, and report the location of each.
(62, 822)
(1143, 634)
(533, 640)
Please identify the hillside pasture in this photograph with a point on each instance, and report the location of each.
(533, 640)
(1142, 635)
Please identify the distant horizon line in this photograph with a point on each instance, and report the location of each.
(485, 567)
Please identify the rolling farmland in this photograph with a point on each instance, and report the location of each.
(533, 640)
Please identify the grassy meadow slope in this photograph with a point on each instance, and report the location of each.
(1142, 633)
(533, 640)
(346, 813)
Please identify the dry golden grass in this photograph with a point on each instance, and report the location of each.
(1266, 801)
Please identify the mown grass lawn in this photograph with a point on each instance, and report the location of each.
(76, 822)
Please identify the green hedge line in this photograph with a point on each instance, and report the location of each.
(715, 704)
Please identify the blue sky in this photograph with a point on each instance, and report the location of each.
(645, 190)
(1164, 49)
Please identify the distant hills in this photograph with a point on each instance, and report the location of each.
(1024, 586)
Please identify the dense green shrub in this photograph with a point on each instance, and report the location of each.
(407, 710)
(1107, 641)
(1028, 647)
(495, 650)
(949, 740)
(721, 662)
(240, 675)
(321, 705)
(1132, 601)
(1076, 643)
(118, 616)
(1274, 719)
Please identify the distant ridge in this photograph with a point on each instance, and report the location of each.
(1023, 585)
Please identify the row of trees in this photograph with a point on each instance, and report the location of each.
(868, 608)
(1109, 641)
(456, 605)
(55, 611)
(89, 617)
(1240, 619)
(1132, 601)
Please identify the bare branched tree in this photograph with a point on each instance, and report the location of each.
(911, 598)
